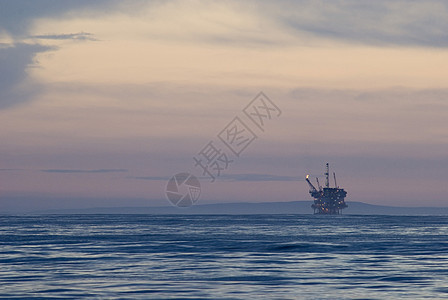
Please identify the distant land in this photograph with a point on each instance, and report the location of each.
(293, 207)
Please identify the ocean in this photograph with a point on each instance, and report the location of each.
(223, 257)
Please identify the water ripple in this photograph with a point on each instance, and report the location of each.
(223, 257)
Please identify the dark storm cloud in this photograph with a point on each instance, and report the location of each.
(14, 61)
(70, 171)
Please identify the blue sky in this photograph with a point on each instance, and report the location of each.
(103, 101)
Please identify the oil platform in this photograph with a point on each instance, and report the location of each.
(327, 200)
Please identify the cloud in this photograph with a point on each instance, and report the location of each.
(279, 23)
(231, 177)
(258, 177)
(80, 36)
(383, 23)
(17, 16)
(70, 171)
(15, 86)
(151, 178)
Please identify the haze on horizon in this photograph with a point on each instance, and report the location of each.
(102, 101)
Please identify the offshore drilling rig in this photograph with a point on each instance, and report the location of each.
(327, 200)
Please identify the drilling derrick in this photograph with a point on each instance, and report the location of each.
(327, 200)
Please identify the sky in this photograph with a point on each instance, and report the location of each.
(102, 102)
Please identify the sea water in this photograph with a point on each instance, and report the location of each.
(223, 257)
